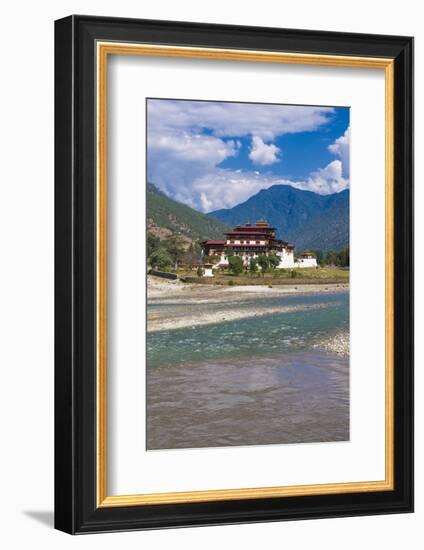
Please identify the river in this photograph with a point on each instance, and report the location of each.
(261, 380)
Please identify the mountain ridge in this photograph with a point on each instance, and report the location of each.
(305, 218)
(167, 217)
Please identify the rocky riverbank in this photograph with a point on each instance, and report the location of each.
(338, 343)
(163, 290)
(171, 318)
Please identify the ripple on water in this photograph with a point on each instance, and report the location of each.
(251, 382)
(271, 334)
(284, 398)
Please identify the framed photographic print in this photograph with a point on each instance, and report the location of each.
(233, 274)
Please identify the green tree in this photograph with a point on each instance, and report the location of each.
(236, 264)
(263, 263)
(161, 259)
(191, 256)
(344, 257)
(331, 258)
(200, 271)
(175, 249)
(274, 261)
(253, 265)
(152, 244)
(340, 258)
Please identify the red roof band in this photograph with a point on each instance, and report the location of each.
(235, 245)
(244, 233)
(254, 245)
(253, 227)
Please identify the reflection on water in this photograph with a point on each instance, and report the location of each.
(290, 398)
(253, 381)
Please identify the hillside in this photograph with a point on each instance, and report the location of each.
(328, 230)
(282, 206)
(166, 217)
(309, 220)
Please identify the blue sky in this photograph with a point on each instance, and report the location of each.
(213, 155)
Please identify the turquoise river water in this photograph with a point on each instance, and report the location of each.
(295, 331)
(256, 381)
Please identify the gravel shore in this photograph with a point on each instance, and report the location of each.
(163, 290)
(183, 317)
(182, 305)
(338, 343)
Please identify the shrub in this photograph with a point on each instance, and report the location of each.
(294, 274)
(236, 264)
(273, 260)
(253, 265)
(213, 258)
(230, 282)
(200, 271)
(263, 262)
(161, 259)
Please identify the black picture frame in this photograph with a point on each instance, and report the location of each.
(76, 508)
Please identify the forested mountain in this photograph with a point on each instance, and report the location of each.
(168, 218)
(308, 220)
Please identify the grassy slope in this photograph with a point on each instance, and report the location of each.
(180, 219)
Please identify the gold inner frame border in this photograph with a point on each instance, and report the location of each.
(103, 50)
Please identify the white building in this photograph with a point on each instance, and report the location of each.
(250, 241)
(307, 259)
(207, 270)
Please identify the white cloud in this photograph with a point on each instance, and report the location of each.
(174, 162)
(188, 140)
(204, 149)
(223, 188)
(261, 153)
(233, 119)
(341, 148)
(326, 180)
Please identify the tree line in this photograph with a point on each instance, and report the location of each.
(170, 253)
(270, 262)
(335, 258)
(263, 262)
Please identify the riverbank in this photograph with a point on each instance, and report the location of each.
(338, 343)
(159, 289)
(175, 318)
(175, 305)
(240, 281)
